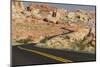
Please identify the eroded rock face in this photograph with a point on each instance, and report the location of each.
(17, 6)
(17, 9)
(40, 22)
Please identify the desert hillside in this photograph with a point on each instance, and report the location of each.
(52, 27)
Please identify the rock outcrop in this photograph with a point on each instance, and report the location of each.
(43, 22)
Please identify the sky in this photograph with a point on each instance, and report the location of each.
(66, 6)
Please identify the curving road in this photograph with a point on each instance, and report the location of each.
(32, 55)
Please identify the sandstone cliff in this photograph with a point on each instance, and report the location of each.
(39, 22)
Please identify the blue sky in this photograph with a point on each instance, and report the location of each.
(68, 6)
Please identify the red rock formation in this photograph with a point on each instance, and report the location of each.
(41, 20)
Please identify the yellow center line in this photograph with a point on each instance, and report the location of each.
(47, 55)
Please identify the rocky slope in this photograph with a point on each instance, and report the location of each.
(43, 22)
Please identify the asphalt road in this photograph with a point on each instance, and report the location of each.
(32, 55)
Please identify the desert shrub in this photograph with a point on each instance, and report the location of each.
(82, 44)
(24, 40)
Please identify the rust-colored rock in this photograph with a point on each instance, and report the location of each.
(40, 21)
